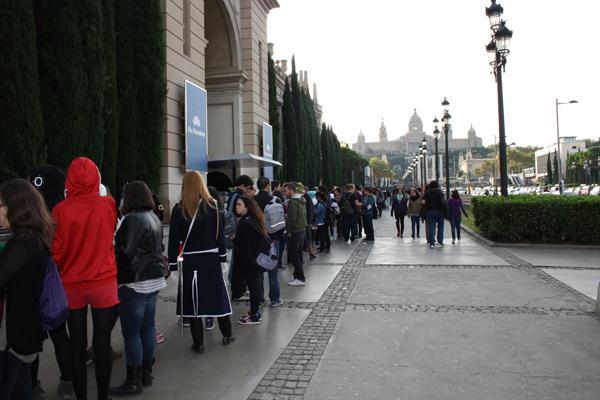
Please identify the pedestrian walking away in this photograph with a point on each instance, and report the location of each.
(368, 211)
(435, 211)
(414, 212)
(455, 208)
(399, 210)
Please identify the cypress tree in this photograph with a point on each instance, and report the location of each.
(274, 113)
(21, 127)
(300, 124)
(549, 179)
(290, 148)
(111, 116)
(63, 79)
(325, 155)
(126, 90)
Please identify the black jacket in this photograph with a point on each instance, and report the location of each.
(138, 248)
(248, 243)
(23, 265)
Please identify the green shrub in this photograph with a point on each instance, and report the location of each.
(539, 219)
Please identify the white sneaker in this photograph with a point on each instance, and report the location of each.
(296, 282)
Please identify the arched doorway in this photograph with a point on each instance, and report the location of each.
(220, 181)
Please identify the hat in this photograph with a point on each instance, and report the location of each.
(299, 187)
(50, 181)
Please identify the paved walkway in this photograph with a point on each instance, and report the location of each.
(392, 320)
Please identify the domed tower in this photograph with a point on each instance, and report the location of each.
(474, 141)
(383, 132)
(360, 147)
(415, 125)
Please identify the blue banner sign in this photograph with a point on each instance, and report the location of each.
(196, 141)
(267, 131)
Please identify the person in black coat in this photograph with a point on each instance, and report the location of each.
(250, 239)
(23, 265)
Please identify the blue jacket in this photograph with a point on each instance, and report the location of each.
(369, 205)
(320, 211)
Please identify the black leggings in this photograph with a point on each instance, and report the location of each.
(104, 320)
(62, 352)
(198, 331)
(400, 223)
(324, 240)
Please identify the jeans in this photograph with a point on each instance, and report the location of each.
(250, 274)
(295, 243)
(455, 227)
(236, 279)
(16, 382)
(415, 225)
(368, 225)
(274, 294)
(137, 312)
(359, 224)
(435, 217)
(349, 224)
(400, 223)
(280, 250)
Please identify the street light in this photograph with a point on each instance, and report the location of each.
(436, 136)
(560, 177)
(446, 125)
(424, 151)
(498, 50)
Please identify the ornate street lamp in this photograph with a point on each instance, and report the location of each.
(559, 172)
(424, 151)
(498, 50)
(446, 125)
(436, 137)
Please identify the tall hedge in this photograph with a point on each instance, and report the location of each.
(141, 90)
(291, 149)
(539, 218)
(21, 125)
(274, 114)
(298, 104)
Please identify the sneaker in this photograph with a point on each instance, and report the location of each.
(431, 246)
(228, 340)
(312, 257)
(296, 282)
(183, 322)
(441, 244)
(210, 324)
(249, 319)
(453, 242)
(277, 303)
(160, 337)
(65, 390)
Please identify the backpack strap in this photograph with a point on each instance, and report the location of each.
(190, 229)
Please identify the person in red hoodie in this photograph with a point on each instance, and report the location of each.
(83, 250)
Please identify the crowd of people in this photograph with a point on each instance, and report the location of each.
(66, 247)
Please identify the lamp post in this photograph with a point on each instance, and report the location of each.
(424, 151)
(436, 136)
(498, 50)
(446, 126)
(560, 177)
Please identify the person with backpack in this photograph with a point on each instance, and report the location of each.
(244, 186)
(324, 216)
(399, 210)
(250, 240)
(368, 211)
(197, 248)
(348, 213)
(296, 227)
(274, 215)
(414, 212)
(83, 250)
(23, 265)
(435, 210)
(141, 275)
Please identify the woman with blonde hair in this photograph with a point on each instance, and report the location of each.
(196, 235)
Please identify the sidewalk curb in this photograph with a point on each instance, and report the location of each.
(530, 245)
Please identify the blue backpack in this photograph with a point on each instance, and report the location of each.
(54, 308)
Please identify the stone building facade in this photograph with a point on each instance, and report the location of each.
(221, 46)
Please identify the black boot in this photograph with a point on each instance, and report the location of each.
(133, 383)
(147, 374)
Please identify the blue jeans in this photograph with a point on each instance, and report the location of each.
(274, 294)
(368, 225)
(16, 382)
(280, 249)
(435, 217)
(415, 225)
(455, 227)
(137, 312)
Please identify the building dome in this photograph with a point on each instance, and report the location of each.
(472, 131)
(415, 124)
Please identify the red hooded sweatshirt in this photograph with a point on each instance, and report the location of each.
(85, 223)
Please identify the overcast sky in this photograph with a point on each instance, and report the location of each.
(382, 58)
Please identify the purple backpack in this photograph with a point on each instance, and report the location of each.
(54, 308)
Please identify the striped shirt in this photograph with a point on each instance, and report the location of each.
(148, 286)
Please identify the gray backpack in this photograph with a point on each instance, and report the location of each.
(274, 216)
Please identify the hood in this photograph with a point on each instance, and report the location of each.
(82, 178)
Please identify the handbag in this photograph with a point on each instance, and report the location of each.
(268, 261)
